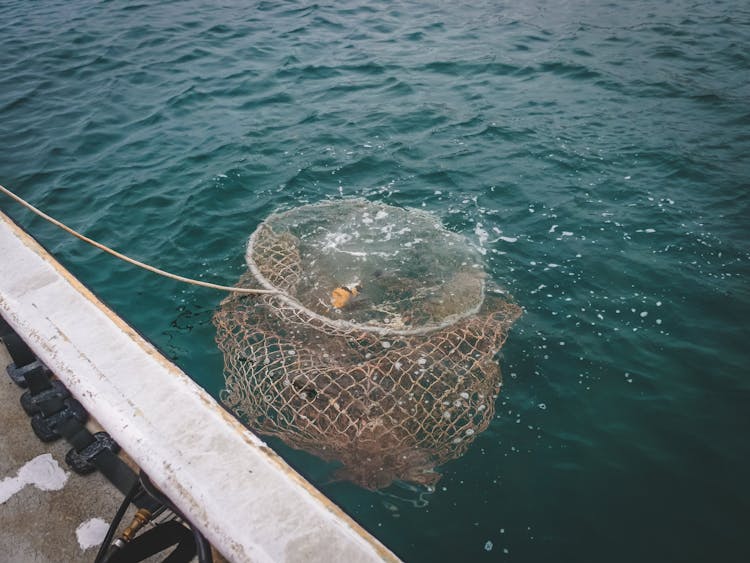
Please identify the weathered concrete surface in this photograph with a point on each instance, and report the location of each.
(37, 525)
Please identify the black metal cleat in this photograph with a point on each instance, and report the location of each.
(18, 374)
(33, 404)
(82, 461)
(45, 427)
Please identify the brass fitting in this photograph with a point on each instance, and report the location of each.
(139, 519)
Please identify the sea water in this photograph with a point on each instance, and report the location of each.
(596, 152)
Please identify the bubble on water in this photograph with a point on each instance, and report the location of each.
(488, 545)
(644, 314)
(481, 233)
(658, 321)
(542, 406)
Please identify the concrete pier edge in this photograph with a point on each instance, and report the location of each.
(247, 501)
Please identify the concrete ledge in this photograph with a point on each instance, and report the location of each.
(247, 501)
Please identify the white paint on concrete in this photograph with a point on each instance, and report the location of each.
(247, 501)
(91, 533)
(43, 472)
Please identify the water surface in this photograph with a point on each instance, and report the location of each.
(596, 152)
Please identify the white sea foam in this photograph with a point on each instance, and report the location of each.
(482, 234)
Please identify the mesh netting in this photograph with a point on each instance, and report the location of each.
(395, 380)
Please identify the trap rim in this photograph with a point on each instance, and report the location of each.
(341, 324)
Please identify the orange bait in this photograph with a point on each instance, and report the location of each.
(341, 296)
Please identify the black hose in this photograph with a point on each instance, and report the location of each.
(203, 547)
(156, 540)
(100, 556)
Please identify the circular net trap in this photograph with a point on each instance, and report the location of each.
(379, 349)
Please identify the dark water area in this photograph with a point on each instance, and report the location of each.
(596, 152)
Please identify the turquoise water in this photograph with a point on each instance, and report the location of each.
(598, 153)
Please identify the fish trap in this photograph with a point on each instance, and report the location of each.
(379, 349)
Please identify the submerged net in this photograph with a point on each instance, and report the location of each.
(379, 349)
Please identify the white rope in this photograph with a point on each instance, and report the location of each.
(127, 259)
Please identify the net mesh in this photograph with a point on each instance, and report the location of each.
(392, 384)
